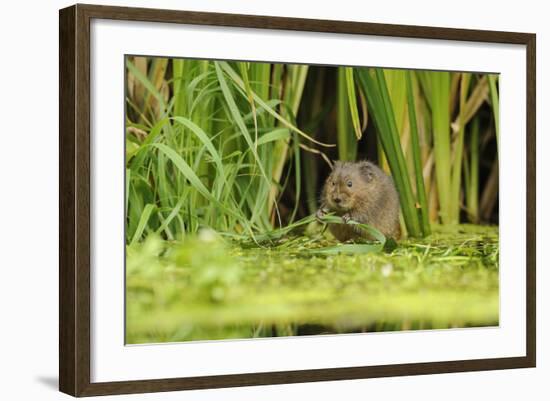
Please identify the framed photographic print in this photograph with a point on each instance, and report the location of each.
(251, 200)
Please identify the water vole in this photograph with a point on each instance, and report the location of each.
(362, 192)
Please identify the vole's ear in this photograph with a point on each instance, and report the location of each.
(367, 172)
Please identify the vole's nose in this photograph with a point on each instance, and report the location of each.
(337, 200)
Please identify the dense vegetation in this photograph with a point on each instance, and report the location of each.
(236, 152)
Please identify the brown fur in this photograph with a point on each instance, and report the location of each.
(372, 199)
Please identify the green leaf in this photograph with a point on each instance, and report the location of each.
(190, 175)
(278, 134)
(269, 109)
(352, 101)
(142, 222)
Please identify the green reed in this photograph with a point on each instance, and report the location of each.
(241, 147)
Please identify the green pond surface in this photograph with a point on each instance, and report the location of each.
(206, 287)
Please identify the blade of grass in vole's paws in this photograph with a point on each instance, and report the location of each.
(320, 214)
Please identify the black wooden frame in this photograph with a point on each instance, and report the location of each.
(74, 199)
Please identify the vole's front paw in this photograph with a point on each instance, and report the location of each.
(321, 213)
(346, 218)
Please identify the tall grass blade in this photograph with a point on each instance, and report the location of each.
(244, 72)
(145, 215)
(352, 102)
(495, 104)
(472, 185)
(420, 187)
(456, 173)
(440, 86)
(347, 143)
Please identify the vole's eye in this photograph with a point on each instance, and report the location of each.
(333, 183)
(349, 184)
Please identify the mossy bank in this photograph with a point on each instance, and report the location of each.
(205, 287)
